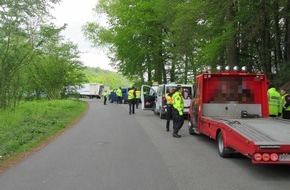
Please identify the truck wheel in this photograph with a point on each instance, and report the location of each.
(222, 150)
(190, 129)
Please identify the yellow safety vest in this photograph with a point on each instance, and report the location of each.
(138, 94)
(178, 101)
(131, 94)
(274, 101)
(119, 92)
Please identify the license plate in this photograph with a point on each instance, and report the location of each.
(284, 157)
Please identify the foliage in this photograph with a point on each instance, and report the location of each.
(172, 40)
(34, 122)
(110, 78)
(34, 58)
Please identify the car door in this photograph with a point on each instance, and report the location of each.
(148, 96)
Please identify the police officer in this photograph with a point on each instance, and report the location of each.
(105, 95)
(274, 101)
(138, 97)
(131, 100)
(285, 104)
(169, 102)
(177, 111)
(119, 95)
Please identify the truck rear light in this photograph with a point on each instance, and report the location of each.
(266, 157)
(274, 157)
(258, 156)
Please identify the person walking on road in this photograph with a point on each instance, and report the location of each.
(131, 100)
(274, 101)
(138, 97)
(177, 111)
(285, 104)
(169, 102)
(105, 96)
(119, 95)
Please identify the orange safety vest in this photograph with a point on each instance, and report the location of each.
(169, 99)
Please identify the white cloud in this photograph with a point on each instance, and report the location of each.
(75, 14)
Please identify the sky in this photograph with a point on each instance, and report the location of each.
(75, 14)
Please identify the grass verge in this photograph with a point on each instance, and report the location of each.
(32, 125)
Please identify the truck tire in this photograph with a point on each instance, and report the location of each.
(222, 150)
(190, 129)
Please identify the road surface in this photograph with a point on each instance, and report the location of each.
(108, 149)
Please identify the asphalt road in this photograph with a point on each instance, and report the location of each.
(108, 149)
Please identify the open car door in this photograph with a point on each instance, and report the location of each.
(148, 96)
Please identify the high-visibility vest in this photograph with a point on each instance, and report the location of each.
(283, 102)
(119, 92)
(138, 94)
(131, 94)
(177, 102)
(105, 94)
(169, 99)
(274, 101)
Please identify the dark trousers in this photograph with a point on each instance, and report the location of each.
(119, 99)
(105, 100)
(131, 106)
(137, 103)
(286, 115)
(168, 115)
(177, 121)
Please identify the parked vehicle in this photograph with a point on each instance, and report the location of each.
(91, 90)
(159, 104)
(113, 96)
(232, 108)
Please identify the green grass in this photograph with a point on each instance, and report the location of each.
(34, 122)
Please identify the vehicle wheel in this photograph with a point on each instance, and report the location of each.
(222, 150)
(162, 116)
(190, 129)
(154, 110)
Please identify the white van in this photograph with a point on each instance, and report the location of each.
(156, 99)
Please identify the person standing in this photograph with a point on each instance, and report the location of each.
(119, 95)
(138, 97)
(105, 95)
(285, 104)
(177, 112)
(274, 101)
(131, 100)
(169, 102)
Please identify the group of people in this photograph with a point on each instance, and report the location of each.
(135, 99)
(279, 103)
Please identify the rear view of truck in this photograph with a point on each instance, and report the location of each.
(232, 108)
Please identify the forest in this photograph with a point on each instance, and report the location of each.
(147, 41)
(173, 40)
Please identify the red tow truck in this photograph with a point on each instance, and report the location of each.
(232, 108)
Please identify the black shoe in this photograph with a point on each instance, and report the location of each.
(167, 129)
(176, 135)
(133, 112)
